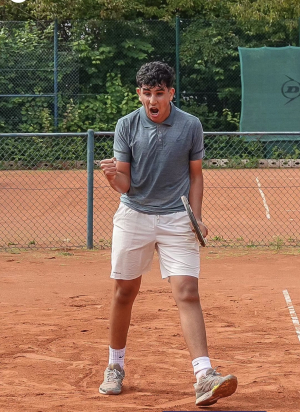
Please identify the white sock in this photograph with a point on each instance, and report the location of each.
(200, 366)
(117, 356)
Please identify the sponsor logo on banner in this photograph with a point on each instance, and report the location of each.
(290, 89)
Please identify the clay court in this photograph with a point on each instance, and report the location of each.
(55, 302)
(54, 333)
(48, 208)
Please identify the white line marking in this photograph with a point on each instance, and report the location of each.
(263, 198)
(293, 314)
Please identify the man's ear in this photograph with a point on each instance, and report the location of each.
(172, 93)
(138, 90)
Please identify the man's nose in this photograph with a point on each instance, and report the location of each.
(153, 99)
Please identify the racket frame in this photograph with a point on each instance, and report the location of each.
(193, 220)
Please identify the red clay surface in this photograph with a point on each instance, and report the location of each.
(49, 208)
(54, 333)
(253, 205)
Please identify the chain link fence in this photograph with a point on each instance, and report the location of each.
(46, 191)
(75, 75)
(252, 190)
(43, 184)
(39, 77)
(68, 77)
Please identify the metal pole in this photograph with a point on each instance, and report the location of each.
(90, 187)
(55, 74)
(177, 62)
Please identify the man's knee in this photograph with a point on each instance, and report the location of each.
(186, 291)
(125, 292)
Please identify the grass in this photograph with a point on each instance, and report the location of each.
(278, 243)
(104, 244)
(218, 238)
(251, 244)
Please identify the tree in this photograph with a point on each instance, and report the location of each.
(103, 38)
(66, 9)
(110, 9)
(264, 10)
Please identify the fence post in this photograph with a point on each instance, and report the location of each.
(90, 187)
(177, 62)
(55, 86)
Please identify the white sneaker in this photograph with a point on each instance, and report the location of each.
(210, 388)
(113, 380)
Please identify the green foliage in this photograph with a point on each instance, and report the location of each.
(103, 148)
(94, 54)
(278, 243)
(100, 112)
(210, 70)
(98, 60)
(31, 151)
(265, 10)
(27, 46)
(67, 9)
(210, 66)
(285, 150)
(232, 147)
(268, 10)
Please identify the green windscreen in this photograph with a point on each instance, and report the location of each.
(270, 89)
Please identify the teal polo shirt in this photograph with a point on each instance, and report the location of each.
(159, 155)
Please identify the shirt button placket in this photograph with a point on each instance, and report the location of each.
(159, 137)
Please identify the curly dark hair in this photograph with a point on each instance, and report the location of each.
(155, 74)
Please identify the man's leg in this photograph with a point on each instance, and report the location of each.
(210, 386)
(185, 292)
(124, 294)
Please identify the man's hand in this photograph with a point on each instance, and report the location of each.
(109, 167)
(202, 227)
(117, 177)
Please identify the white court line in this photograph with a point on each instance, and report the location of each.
(263, 198)
(292, 312)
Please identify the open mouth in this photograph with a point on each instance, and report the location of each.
(154, 111)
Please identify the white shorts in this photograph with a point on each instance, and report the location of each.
(137, 235)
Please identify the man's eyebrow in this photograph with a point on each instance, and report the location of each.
(157, 88)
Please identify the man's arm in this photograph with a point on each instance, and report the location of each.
(196, 192)
(117, 174)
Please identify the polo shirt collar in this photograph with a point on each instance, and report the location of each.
(146, 122)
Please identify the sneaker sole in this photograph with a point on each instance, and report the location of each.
(226, 388)
(110, 392)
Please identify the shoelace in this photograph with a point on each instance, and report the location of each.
(212, 376)
(208, 380)
(112, 375)
(214, 372)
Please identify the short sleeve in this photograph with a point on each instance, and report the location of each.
(122, 151)
(197, 150)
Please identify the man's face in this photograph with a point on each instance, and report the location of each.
(156, 101)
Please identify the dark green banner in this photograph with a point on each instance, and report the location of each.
(270, 89)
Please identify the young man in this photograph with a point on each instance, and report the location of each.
(158, 158)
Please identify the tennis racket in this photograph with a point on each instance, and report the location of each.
(193, 220)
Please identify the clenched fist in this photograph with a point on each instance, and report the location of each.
(109, 167)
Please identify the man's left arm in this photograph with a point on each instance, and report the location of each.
(196, 192)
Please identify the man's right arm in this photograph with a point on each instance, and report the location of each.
(117, 173)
